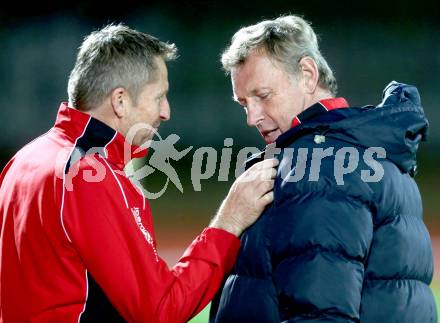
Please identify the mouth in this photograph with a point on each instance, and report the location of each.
(268, 135)
(266, 132)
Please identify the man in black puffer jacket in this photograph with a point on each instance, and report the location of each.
(344, 240)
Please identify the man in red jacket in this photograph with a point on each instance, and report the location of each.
(77, 240)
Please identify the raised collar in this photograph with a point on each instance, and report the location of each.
(93, 136)
(318, 108)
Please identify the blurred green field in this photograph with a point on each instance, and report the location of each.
(204, 315)
(435, 288)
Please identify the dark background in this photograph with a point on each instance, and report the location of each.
(367, 44)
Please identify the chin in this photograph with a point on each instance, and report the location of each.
(142, 139)
(268, 141)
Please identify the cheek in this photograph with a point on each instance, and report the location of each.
(280, 112)
(152, 111)
(273, 110)
(144, 114)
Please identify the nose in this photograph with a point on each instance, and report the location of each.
(254, 115)
(165, 111)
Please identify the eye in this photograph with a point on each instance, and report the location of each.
(264, 96)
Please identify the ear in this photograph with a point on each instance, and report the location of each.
(309, 74)
(119, 101)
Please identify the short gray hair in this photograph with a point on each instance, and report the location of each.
(287, 39)
(115, 56)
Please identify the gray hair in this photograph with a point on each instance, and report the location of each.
(286, 39)
(115, 56)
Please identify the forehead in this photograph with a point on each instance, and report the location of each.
(159, 81)
(257, 71)
(160, 73)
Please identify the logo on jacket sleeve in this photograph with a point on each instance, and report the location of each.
(147, 235)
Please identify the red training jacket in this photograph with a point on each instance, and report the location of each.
(77, 242)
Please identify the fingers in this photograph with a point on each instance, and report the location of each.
(267, 163)
(266, 186)
(264, 174)
(272, 173)
(249, 195)
(265, 199)
(264, 170)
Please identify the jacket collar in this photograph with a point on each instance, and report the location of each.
(91, 135)
(318, 108)
(321, 114)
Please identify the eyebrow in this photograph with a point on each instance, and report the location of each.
(165, 91)
(161, 94)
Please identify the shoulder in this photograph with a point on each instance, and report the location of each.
(91, 173)
(319, 165)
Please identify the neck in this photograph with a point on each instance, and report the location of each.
(102, 113)
(318, 95)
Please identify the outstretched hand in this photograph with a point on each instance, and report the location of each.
(247, 198)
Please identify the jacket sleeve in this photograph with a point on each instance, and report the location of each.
(115, 253)
(324, 240)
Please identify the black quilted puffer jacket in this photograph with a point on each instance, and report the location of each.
(346, 241)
